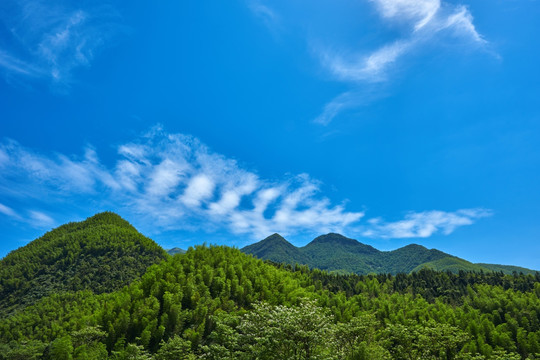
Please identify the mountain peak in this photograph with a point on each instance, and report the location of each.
(415, 246)
(274, 240)
(107, 218)
(337, 244)
(275, 237)
(334, 238)
(276, 248)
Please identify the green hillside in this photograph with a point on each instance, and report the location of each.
(407, 258)
(101, 254)
(276, 248)
(452, 264)
(507, 269)
(455, 264)
(218, 303)
(337, 253)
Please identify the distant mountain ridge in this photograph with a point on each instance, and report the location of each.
(337, 253)
(176, 250)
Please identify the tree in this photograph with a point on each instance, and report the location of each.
(61, 349)
(271, 332)
(175, 348)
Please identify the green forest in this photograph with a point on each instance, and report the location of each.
(216, 302)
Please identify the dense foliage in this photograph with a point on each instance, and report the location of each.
(218, 303)
(336, 253)
(101, 254)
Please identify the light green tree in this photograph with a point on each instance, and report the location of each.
(280, 332)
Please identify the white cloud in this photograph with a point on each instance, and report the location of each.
(164, 177)
(370, 68)
(415, 24)
(36, 219)
(420, 12)
(462, 22)
(51, 40)
(268, 16)
(173, 181)
(424, 224)
(14, 65)
(419, 22)
(8, 211)
(199, 188)
(4, 158)
(424, 20)
(40, 220)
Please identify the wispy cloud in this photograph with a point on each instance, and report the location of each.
(6, 210)
(424, 224)
(35, 219)
(370, 68)
(49, 41)
(420, 12)
(422, 22)
(175, 182)
(266, 14)
(413, 26)
(39, 219)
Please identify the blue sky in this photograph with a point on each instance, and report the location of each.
(390, 121)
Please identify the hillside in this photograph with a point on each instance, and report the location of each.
(337, 253)
(334, 252)
(276, 248)
(218, 303)
(101, 254)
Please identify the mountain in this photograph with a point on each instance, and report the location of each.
(219, 303)
(407, 258)
(276, 248)
(456, 264)
(101, 254)
(337, 253)
(176, 250)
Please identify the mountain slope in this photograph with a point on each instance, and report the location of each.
(337, 253)
(455, 264)
(199, 305)
(101, 254)
(407, 258)
(276, 248)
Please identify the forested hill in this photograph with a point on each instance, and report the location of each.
(101, 254)
(217, 303)
(337, 253)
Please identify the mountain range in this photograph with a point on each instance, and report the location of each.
(105, 252)
(337, 253)
(98, 289)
